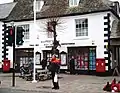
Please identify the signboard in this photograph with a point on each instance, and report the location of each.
(47, 43)
(63, 59)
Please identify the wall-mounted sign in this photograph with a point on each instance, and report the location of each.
(47, 43)
(67, 43)
(38, 58)
(63, 57)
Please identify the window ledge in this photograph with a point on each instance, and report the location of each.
(26, 41)
(81, 38)
(73, 6)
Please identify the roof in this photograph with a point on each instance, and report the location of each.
(5, 9)
(24, 9)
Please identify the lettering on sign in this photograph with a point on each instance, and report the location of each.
(47, 41)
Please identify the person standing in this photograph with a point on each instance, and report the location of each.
(31, 67)
(54, 68)
(72, 65)
(44, 63)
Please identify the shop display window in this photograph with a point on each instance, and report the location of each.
(85, 57)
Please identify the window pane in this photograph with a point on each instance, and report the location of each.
(86, 25)
(75, 2)
(71, 2)
(77, 26)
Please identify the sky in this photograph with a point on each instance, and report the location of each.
(7, 1)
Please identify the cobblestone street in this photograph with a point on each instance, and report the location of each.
(68, 84)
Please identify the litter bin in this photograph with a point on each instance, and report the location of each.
(100, 65)
(6, 65)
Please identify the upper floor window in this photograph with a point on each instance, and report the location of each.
(26, 33)
(81, 27)
(73, 2)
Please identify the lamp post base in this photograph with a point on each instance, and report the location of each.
(34, 81)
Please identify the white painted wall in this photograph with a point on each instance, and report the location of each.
(1, 44)
(66, 33)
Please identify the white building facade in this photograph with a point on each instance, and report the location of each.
(86, 46)
(82, 34)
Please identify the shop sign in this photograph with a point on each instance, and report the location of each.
(67, 43)
(47, 43)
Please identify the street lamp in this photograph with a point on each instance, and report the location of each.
(34, 79)
(41, 4)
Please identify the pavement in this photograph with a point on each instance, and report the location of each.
(68, 84)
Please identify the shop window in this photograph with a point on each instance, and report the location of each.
(84, 57)
(23, 57)
(92, 59)
(81, 57)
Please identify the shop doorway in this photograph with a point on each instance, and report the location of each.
(47, 54)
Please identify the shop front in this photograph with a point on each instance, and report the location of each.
(85, 59)
(23, 57)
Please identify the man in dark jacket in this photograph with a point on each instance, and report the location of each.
(31, 67)
(55, 66)
(72, 65)
(44, 63)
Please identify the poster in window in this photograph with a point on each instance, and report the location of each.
(63, 59)
(37, 60)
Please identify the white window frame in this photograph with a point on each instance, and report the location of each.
(81, 28)
(73, 3)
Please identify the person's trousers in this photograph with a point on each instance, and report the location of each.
(72, 71)
(55, 84)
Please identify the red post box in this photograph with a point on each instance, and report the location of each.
(100, 65)
(6, 65)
